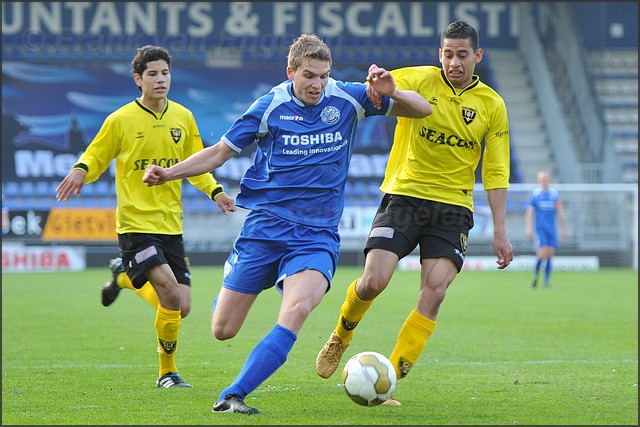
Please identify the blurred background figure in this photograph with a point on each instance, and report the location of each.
(5, 217)
(545, 211)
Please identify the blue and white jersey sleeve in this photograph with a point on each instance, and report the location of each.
(303, 154)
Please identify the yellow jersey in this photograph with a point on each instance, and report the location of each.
(435, 158)
(136, 137)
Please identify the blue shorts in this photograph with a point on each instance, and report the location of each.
(269, 248)
(546, 237)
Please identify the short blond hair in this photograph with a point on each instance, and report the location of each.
(308, 46)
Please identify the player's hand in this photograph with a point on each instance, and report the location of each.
(503, 249)
(70, 185)
(374, 97)
(381, 81)
(372, 93)
(225, 203)
(154, 175)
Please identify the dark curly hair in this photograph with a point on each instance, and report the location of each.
(146, 54)
(461, 29)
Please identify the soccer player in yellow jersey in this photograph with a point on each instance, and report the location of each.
(149, 130)
(428, 198)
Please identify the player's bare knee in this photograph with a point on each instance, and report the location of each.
(222, 332)
(299, 311)
(371, 286)
(434, 294)
(185, 310)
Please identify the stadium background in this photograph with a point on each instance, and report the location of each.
(568, 72)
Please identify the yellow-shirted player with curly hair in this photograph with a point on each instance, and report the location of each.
(149, 130)
(428, 199)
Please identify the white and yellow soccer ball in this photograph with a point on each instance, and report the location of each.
(368, 378)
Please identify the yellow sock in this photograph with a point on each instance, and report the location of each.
(412, 338)
(352, 312)
(167, 328)
(124, 282)
(149, 294)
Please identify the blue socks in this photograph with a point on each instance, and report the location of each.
(547, 269)
(265, 358)
(537, 267)
(547, 272)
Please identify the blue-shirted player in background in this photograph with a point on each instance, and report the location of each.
(545, 207)
(5, 217)
(304, 129)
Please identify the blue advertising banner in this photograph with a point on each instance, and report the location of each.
(268, 25)
(55, 96)
(240, 24)
(42, 140)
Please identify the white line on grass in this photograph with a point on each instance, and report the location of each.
(436, 362)
(530, 362)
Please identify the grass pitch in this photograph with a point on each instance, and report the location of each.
(502, 353)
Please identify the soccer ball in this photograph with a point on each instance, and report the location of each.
(368, 378)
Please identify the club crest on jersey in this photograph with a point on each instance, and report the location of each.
(468, 114)
(330, 115)
(176, 134)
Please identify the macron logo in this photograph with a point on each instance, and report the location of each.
(296, 118)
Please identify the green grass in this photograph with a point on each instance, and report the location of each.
(502, 353)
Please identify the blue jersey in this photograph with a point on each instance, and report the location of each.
(545, 208)
(303, 154)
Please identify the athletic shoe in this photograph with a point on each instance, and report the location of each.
(329, 357)
(391, 402)
(234, 403)
(111, 290)
(171, 380)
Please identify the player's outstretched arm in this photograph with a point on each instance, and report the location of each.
(198, 163)
(408, 103)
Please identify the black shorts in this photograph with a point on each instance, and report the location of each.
(141, 252)
(402, 223)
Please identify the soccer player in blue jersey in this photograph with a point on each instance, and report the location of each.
(304, 130)
(545, 210)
